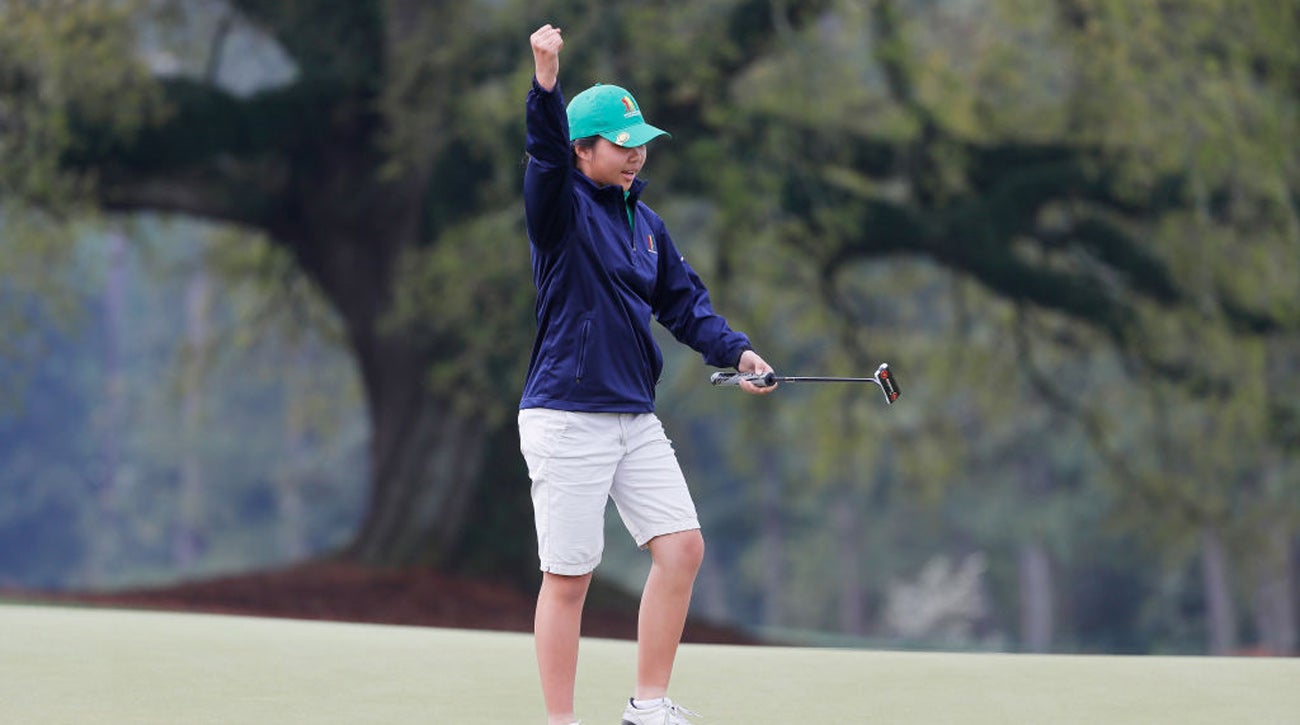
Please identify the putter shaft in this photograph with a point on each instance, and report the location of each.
(884, 379)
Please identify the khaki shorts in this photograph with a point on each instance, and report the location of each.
(578, 461)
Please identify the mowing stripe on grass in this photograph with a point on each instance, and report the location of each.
(68, 665)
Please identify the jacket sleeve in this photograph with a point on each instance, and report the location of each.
(547, 179)
(681, 304)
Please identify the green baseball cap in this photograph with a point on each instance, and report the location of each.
(612, 113)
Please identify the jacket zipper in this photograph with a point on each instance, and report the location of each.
(629, 213)
(582, 348)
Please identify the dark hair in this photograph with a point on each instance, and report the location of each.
(584, 143)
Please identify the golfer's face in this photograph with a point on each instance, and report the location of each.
(608, 164)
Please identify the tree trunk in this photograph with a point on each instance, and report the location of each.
(710, 600)
(1275, 605)
(425, 464)
(290, 483)
(187, 535)
(1220, 614)
(106, 538)
(853, 595)
(430, 458)
(1036, 614)
(775, 578)
(422, 476)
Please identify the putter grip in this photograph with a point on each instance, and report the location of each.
(762, 381)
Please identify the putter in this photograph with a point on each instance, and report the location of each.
(884, 379)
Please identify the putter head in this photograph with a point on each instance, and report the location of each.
(888, 383)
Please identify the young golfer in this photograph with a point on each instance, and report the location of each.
(604, 264)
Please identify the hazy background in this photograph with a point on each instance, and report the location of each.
(265, 296)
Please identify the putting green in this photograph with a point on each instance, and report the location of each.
(69, 665)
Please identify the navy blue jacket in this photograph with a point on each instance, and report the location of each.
(600, 280)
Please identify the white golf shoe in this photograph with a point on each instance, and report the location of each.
(665, 713)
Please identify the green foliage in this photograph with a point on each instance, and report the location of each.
(31, 299)
(59, 66)
(471, 294)
(1070, 227)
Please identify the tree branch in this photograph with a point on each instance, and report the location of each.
(216, 156)
(239, 198)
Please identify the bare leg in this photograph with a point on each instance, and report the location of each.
(664, 603)
(557, 626)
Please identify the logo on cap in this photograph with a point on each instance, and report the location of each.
(629, 106)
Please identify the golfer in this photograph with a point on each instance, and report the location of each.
(604, 264)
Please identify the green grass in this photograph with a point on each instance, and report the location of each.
(79, 665)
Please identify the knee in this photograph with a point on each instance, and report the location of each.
(682, 551)
(565, 590)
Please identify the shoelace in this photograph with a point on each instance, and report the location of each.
(677, 711)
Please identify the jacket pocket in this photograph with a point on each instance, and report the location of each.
(582, 348)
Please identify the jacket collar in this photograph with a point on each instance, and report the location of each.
(612, 191)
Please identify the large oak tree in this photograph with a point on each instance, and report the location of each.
(387, 166)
